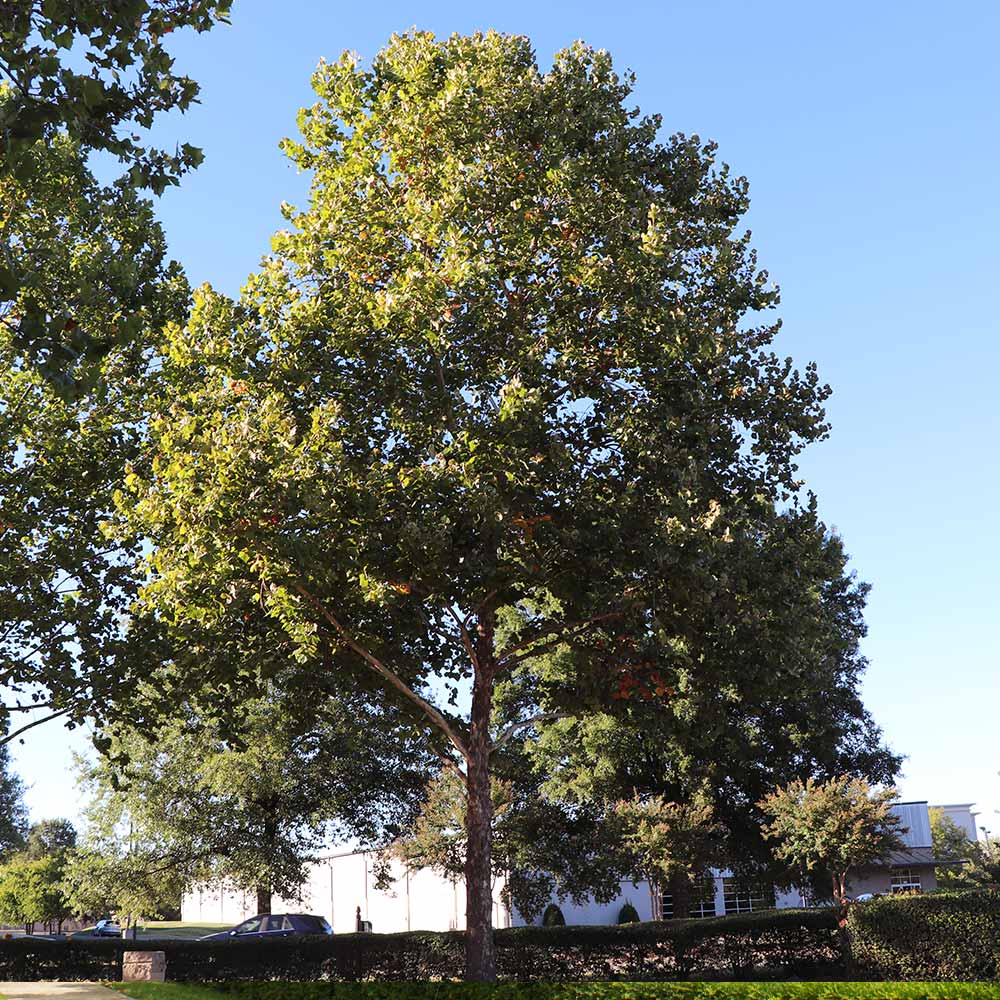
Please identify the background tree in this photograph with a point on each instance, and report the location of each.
(50, 838)
(668, 844)
(31, 892)
(951, 843)
(762, 699)
(13, 811)
(834, 827)
(251, 806)
(498, 393)
(130, 883)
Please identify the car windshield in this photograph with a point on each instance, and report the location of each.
(248, 926)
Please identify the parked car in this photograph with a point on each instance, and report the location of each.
(271, 925)
(107, 928)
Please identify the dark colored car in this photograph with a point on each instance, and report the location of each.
(272, 925)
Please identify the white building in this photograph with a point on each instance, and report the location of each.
(342, 888)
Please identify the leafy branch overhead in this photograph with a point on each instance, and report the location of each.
(77, 79)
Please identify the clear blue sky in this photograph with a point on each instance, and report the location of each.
(870, 135)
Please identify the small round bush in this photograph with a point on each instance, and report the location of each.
(553, 916)
(628, 914)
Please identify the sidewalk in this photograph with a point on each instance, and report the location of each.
(71, 991)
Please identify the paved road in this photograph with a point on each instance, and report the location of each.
(57, 991)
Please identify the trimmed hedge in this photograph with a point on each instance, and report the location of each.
(29, 959)
(938, 936)
(754, 945)
(757, 945)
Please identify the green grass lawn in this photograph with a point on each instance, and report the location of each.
(175, 929)
(570, 991)
(179, 930)
(166, 991)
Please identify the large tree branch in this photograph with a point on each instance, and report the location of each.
(512, 729)
(553, 634)
(31, 725)
(463, 628)
(394, 681)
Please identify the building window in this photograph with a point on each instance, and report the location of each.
(904, 880)
(743, 897)
(702, 900)
(663, 905)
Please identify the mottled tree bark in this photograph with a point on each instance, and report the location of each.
(480, 957)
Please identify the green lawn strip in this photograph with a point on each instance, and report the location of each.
(166, 991)
(565, 991)
(178, 930)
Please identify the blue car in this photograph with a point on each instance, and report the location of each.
(273, 925)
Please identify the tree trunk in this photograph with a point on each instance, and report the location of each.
(480, 957)
(840, 895)
(269, 836)
(680, 896)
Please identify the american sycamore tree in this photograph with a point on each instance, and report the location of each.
(85, 286)
(504, 391)
(121, 79)
(834, 828)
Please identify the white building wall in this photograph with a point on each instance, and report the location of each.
(337, 886)
(963, 816)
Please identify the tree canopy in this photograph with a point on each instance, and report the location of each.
(49, 838)
(501, 392)
(951, 843)
(764, 698)
(99, 73)
(31, 891)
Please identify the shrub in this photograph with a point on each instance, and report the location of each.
(758, 945)
(943, 936)
(553, 916)
(628, 914)
(29, 959)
